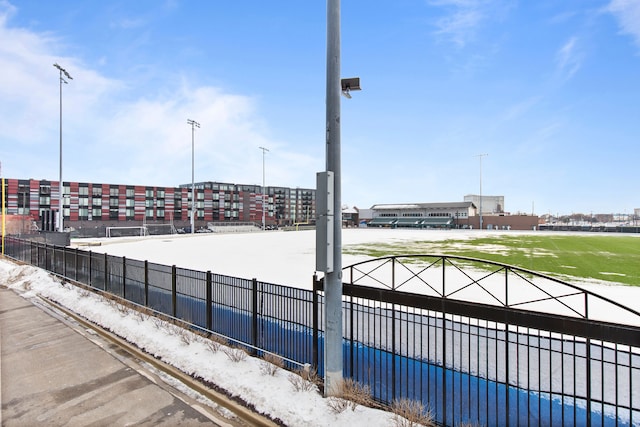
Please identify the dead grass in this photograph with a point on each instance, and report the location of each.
(349, 394)
(271, 363)
(410, 413)
(215, 342)
(305, 379)
(235, 354)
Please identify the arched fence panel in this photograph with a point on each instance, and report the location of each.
(487, 343)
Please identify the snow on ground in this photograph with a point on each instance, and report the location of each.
(274, 395)
(288, 258)
(285, 258)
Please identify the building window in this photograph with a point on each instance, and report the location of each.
(160, 203)
(114, 192)
(113, 213)
(96, 213)
(96, 191)
(148, 194)
(129, 213)
(149, 213)
(200, 195)
(113, 203)
(148, 203)
(97, 202)
(160, 213)
(83, 213)
(131, 192)
(45, 200)
(130, 203)
(161, 194)
(83, 201)
(83, 191)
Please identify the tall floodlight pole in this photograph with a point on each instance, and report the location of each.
(194, 125)
(3, 230)
(333, 276)
(480, 156)
(263, 187)
(60, 195)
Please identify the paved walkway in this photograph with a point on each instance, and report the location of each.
(54, 372)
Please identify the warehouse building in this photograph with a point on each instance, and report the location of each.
(423, 215)
(464, 214)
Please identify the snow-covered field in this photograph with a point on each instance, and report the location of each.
(288, 258)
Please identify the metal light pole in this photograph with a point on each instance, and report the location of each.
(194, 125)
(480, 156)
(60, 186)
(263, 187)
(333, 277)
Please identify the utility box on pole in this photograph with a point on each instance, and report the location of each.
(324, 221)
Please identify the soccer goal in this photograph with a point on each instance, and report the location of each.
(157, 229)
(132, 230)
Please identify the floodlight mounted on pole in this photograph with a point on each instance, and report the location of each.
(263, 188)
(480, 156)
(194, 125)
(60, 186)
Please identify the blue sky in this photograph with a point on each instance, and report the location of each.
(549, 90)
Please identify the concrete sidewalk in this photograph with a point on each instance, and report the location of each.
(56, 373)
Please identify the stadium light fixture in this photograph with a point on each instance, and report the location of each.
(264, 150)
(194, 125)
(480, 156)
(60, 186)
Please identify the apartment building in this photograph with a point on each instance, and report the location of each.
(103, 205)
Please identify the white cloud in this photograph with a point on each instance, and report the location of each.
(116, 131)
(465, 17)
(569, 58)
(627, 13)
(460, 25)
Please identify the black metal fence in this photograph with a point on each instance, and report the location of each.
(490, 344)
(258, 315)
(477, 342)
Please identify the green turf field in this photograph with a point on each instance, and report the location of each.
(611, 258)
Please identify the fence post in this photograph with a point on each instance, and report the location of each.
(393, 333)
(173, 291)
(106, 273)
(75, 263)
(588, 359)
(64, 261)
(90, 267)
(124, 277)
(146, 283)
(506, 347)
(444, 346)
(316, 311)
(254, 312)
(351, 330)
(209, 303)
